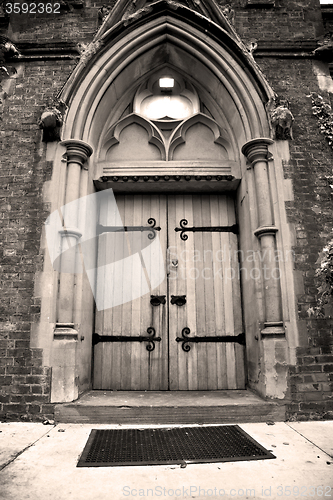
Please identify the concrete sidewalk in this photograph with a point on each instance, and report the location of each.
(38, 462)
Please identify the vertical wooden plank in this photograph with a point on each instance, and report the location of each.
(108, 217)
(206, 272)
(146, 308)
(173, 273)
(239, 351)
(240, 366)
(200, 289)
(159, 357)
(125, 308)
(151, 209)
(227, 294)
(147, 358)
(180, 289)
(201, 326)
(101, 260)
(113, 323)
(235, 255)
(206, 251)
(107, 381)
(98, 359)
(105, 278)
(188, 255)
(164, 310)
(223, 245)
(191, 357)
(218, 258)
(209, 294)
(99, 317)
(139, 358)
(178, 316)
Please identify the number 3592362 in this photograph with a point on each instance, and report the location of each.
(32, 8)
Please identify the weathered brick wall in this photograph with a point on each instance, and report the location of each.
(25, 383)
(287, 20)
(76, 24)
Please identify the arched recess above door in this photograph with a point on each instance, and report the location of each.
(133, 138)
(209, 58)
(170, 128)
(200, 137)
(136, 138)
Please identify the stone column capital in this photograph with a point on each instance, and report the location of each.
(77, 151)
(265, 230)
(257, 149)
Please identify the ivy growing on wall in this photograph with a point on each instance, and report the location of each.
(324, 113)
(324, 273)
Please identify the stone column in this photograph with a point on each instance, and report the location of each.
(64, 349)
(77, 154)
(256, 151)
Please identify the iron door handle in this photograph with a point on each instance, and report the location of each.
(157, 300)
(178, 300)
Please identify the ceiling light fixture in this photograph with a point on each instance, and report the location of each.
(166, 83)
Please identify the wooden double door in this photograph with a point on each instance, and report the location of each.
(170, 307)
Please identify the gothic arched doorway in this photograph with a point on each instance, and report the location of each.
(205, 145)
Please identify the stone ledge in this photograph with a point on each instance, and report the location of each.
(169, 407)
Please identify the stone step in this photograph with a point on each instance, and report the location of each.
(174, 407)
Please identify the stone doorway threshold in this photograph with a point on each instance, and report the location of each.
(170, 407)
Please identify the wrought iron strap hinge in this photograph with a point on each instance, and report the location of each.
(185, 339)
(150, 338)
(204, 229)
(115, 229)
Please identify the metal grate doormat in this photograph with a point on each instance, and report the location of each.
(175, 445)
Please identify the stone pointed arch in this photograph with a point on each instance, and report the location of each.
(153, 134)
(178, 137)
(194, 45)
